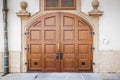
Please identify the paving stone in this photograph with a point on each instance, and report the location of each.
(61, 76)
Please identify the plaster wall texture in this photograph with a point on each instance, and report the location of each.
(109, 35)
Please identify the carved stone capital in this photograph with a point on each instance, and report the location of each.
(23, 12)
(95, 13)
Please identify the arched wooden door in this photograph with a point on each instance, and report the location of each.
(59, 42)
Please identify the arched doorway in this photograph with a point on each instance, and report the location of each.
(59, 42)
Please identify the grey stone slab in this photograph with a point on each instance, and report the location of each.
(61, 76)
(101, 76)
(110, 76)
(0, 76)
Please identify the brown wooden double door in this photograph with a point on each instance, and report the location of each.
(59, 42)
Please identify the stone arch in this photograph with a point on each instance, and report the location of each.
(35, 20)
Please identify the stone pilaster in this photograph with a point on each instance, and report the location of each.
(24, 15)
(95, 14)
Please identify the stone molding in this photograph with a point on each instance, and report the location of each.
(23, 12)
(95, 12)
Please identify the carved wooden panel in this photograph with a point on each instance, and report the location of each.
(83, 25)
(69, 49)
(84, 64)
(50, 63)
(35, 49)
(50, 49)
(69, 35)
(83, 49)
(36, 64)
(69, 64)
(35, 35)
(50, 35)
(50, 21)
(83, 35)
(68, 21)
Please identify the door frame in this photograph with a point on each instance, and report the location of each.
(25, 23)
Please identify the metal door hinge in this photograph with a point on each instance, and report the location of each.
(92, 33)
(92, 63)
(26, 33)
(92, 48)
(27, 63)
(26, 48)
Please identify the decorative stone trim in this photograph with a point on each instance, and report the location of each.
(23, 12)
(95, 12)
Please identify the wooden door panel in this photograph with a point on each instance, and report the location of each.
(50, 49)
(84, 42)
(84, 64)
(75, 43)
(50, 41)
(35, 64)
(70, 33)
(50, 65)
(42, 41)
(68, 63)
(68, 21)
(83, 49)
(61, 33)
(50, 35)
(35, 35)
(35, 49)
(50, 21)
(68, 49)
(83, 35)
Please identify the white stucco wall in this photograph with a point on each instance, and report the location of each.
(109, 39)
(15, 23)
(109, 23)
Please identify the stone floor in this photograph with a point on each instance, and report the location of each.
(61, 76)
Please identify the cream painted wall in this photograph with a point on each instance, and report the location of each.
(109, 29)
(14, 24)
(110, 25)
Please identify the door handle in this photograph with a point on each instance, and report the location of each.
(57, 56)
(61, 56)
(58, 47)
